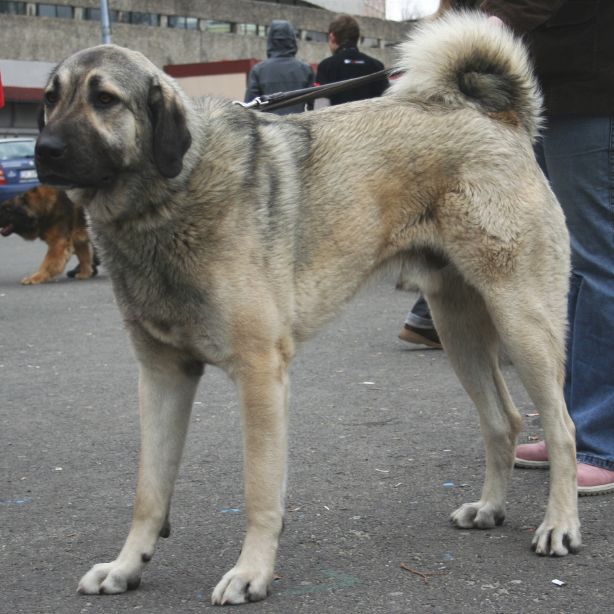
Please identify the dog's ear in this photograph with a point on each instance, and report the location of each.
(41, 118)
(171, 137)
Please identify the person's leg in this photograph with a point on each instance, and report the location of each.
(420, 314)
(578, 157)
(579, 154)
(418, 327)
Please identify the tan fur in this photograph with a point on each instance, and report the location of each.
(232, 236)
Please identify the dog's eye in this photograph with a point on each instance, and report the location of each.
(51, 98)
(105, 99)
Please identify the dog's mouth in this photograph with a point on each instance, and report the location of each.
(69, 171)
(7, 230)
(57, 181)
(65, 183)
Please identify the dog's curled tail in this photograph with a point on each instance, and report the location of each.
(464, 60)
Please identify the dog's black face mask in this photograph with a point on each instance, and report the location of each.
(70, 153)
(62, 160)
(101, 112)
(82, 126)
(15, 218)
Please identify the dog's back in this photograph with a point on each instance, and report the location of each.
(445, 149)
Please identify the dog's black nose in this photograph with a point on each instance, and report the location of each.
(49, 146)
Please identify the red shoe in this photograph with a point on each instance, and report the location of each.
(532, 456)
(594, 480)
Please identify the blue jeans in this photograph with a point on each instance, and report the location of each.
(577, 154)
(419, 316)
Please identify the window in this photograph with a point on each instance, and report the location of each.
(141, 19)
(17, 149)
(308, 5)
(26, 114)
(12, 8)
(316, 37)
(219, 27)
(373, 43)
(54, 10)
(252, 29)
(94, 15)
(184, 23)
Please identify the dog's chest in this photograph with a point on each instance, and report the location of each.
(156, 286)
(169, 309)
(168, 332)
(172, 315)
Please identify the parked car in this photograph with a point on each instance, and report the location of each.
(17, 170)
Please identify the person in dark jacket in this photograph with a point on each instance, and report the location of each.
(281, 72)
(348, 62)
(572, 45)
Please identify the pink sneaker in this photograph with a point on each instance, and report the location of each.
(594, 480)
(532, 456)
(591, 480)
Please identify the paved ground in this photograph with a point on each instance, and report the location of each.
(384, 446)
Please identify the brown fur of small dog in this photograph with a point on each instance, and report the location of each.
(48, 214)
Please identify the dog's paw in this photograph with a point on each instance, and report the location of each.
(556, 539)
(241, 586)
(477, 515)
(87, 274)
(32, 280)
(109, 578)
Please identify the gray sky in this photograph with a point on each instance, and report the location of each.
(399, 9)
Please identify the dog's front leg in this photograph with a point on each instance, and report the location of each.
(263, 388)
(165, 398)
(58, 254)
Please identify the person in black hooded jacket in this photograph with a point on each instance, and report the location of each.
(281, 72)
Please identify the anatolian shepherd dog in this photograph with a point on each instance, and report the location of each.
(231, 235)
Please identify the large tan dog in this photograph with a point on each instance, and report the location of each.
(231, 235)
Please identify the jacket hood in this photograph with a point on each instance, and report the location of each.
(281, 40)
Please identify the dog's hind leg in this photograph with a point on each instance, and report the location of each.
(166, 394)
(84, 253)
(471, 342)
(262, 380)
(532, 329)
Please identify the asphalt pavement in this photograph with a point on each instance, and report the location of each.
(384, 445)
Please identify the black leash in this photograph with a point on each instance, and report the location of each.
(270, 102)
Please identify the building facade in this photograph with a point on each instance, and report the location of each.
(168, 33)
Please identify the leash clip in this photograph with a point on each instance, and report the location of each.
(256, 103)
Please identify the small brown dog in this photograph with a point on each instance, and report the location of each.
(46, 213)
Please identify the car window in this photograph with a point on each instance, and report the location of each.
(16, 149)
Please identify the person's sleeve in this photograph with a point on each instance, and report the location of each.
(253, 87)
(522, 15)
